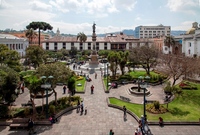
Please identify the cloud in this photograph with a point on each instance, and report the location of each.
(38, 5)
(93, 7)
(186, 25)
(124, 4)
(138, 18)
(187, 6)
(71, 28)
(4, 4)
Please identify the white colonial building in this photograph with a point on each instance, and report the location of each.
(15, 43)
(111, 41)
(190, 41)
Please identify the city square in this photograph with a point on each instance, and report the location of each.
(88, 67)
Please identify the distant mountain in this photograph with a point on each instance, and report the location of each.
(177, 32)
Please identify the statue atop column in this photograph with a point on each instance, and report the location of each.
(94, 27)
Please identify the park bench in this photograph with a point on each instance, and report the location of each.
(125, 98)
(19, 123)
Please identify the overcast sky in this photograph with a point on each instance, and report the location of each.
(73, 16)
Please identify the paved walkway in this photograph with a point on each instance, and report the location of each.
(100, 118)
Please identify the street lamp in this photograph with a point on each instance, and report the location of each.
(144, 86)
(107, 75)
(47, 85)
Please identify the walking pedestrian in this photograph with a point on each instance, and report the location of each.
(95, 75)
(64, 89)
(30, 126)
(92, 89)
(124, 109)
(82, 107)
(78, 106)
(136, 131)
(111, 132)
(85, 110)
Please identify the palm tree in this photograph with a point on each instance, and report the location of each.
(82, 37)
(30, 34)
(123, 60)
(39, 25)
(169, 41)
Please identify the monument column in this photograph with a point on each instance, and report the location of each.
(94, 38)
(93, 56)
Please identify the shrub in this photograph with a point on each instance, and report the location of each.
(26, 111)
(52, 109)
(156, 105)
(125, 77)
(4, 111)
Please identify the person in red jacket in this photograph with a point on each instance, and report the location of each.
(92, 89)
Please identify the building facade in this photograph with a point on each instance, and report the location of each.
(15, 43)
(109, 42)
(189, 42)
(152, 31)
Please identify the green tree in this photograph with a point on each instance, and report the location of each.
(73, 51)
(30, 34)
(35, 55)
(10, 58)
(103, 53)
(71, 84)
(8, 83)
(114, 60)
(33, 83)
(40, 26)
(60, 74)
(82, 38)
(123, 60)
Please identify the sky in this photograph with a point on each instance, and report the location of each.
(74, 16)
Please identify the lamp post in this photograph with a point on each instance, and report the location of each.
(46, 86)
(144, 86)
(107, 75)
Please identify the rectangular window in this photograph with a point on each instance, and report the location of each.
(105, 43)
(72, 43)
(190, 44)
(55, 43)
(47, 43)
(47, 47)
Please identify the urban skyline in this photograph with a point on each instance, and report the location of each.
(74, 16)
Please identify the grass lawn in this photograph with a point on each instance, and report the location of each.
(80, 88)
(185, 107)
(136, 74)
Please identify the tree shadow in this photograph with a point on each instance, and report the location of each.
(178, 112)
(37, 130)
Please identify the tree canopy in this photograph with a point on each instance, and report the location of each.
(145, 56)
(39, 25)
(35, 55)
(8, 83)
(10, 58)
(30, 34)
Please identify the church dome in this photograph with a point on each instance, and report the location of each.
(191, 31)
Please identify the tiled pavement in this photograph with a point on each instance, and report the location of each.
(100, 118)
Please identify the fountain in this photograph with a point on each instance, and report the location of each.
(93, 64)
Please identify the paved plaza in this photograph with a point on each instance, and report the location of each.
(100, 118)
